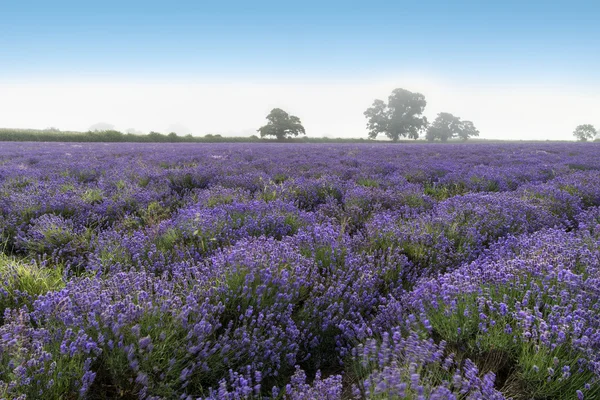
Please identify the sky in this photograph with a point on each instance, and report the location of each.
(518, 70)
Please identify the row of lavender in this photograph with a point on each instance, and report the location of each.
(299, 271)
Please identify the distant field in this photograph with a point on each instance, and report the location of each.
(312, 271)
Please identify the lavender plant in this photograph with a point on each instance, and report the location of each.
(346, 271)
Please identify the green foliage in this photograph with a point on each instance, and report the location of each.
(168, 356)
(400, 117)
(443, 192)
(157, 137)
(144, 181)
(485, 184)
(93, 196)
(292, 221)
(182, 183)
(22, 283)
(279, 178)
(67, 187)
(154, 213)
(168, 240)
(281, 125)
(54, 236)
(367, 182)
(33, 135)
(19, 182)
(219, 199)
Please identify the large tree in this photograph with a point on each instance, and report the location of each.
(447, 126)
(585, 132)
(402, 116)
(281, 125)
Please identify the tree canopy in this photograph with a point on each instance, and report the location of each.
(281, 125)
(585, 132)
(467, 130)
(400, 117)
(447, 126)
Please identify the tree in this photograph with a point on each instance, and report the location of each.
(156, 137)
(281, 125)
(401, 116)
(444, 127)
(585, 132)
(378, 119)
(112, 135)
(467, 130)
(447, 126)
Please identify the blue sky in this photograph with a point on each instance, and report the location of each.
(508, 39)
(481, 43)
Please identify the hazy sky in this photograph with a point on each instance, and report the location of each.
(518, 70)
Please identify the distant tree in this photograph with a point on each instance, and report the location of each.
(444, 127)
(172, 137)
(156, 137)
(585, 132)
(400, 117)
(112, 135)
(447, 126)
(378, 119)
(467, 130)
(281, 125)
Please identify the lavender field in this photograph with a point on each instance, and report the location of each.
(299, 271)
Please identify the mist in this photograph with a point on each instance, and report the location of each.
(510, 112)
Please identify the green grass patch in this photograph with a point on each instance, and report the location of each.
(93, 196)
(22, 283)
(367, 182)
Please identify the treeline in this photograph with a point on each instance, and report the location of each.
(34, 135)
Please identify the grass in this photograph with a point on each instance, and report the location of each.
(93, 196)
(22, 283)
